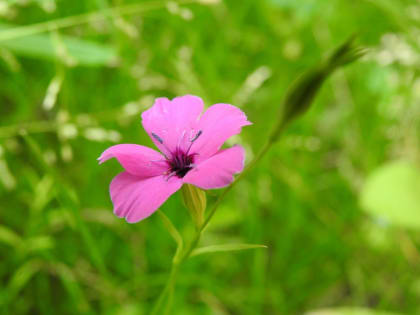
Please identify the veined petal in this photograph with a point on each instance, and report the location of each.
(136, 159)
(137, 198)
(218, 123)
(170, 122)
(218, 170)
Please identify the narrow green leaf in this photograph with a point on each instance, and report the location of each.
(52, 25)
(224, 248)
(174, 233)
(392, 192)
(19, 279)
(72, 286)
(68, 199)
(9, 237)
(39, 243)
(45, 46)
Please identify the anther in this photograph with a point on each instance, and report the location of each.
(193, 139)
(197, 135)
(158, 139)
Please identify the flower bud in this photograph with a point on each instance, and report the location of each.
(301, 94)
(195, 201)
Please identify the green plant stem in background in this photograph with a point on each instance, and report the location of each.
(167, 291)
(297, 101)
(68, 200)
(85, 18)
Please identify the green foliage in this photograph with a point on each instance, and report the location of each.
(62, 251)
(72, 51)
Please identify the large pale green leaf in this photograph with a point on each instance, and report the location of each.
(46, 46)
(349, 311)
(392, 192)
(224, 248)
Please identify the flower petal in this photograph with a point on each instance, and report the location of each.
(136, 159)
(137, 198)
(217, 171)
(168, 122)
(218, 123)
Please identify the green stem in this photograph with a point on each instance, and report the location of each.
(170, 284)
(169, 287)
(85, 18)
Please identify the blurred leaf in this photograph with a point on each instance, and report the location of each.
(9, 237)
(72, 286)
(19, 280)
(39, 243)
(43, 46)
(68, 199)
(43, 193)
(349, 311)
(224, 248)
(392, 192)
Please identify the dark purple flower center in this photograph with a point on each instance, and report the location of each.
(180, 161)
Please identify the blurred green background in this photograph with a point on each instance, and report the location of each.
(337, 200)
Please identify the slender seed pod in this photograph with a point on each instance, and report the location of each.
(301, 94)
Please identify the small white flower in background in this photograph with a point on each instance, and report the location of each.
(114, 136)
(186, 14)
(52, 93)
(131, 109)
(209, 1)
(101, 135)
(50, 157)
(62, 116)
(96, 134)
(66, 153)
(67, 131)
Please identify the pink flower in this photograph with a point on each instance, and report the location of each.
(190, 145)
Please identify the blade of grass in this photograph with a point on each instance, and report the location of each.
(44, 46)
(224, 248)
(174, 233)
(84, 18)
(68, 200)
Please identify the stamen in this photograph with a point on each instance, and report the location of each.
(180, 140)
(159, 161)
(194, 139)
(170, 175)
(158, 139)
(197, 135)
